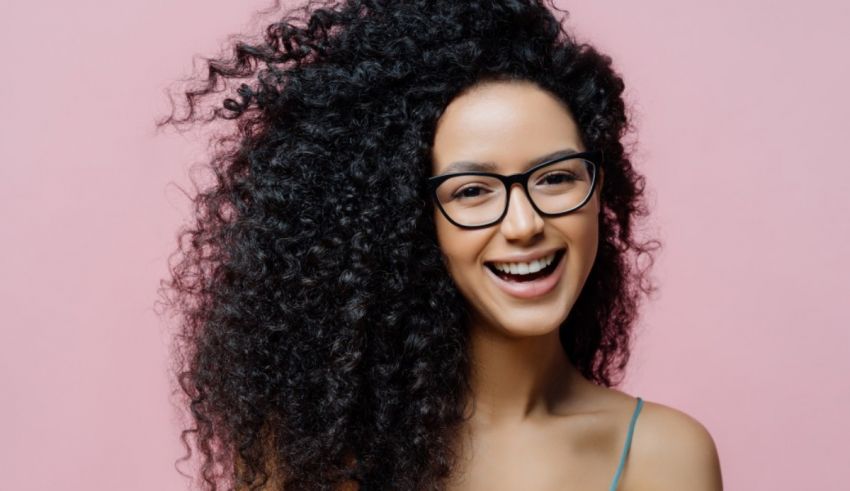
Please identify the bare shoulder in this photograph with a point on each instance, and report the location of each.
(671, 450)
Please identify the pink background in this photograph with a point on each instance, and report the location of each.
(742, 110)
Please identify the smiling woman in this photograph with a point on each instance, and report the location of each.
(510, 123)
(416, 268)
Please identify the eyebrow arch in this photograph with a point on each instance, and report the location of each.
(472, 166)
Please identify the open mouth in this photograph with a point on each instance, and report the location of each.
(523, 278)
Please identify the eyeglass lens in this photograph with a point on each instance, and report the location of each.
(476, 200)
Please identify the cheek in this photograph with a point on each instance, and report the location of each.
(447, 240)
(461, 248)
(583, 237)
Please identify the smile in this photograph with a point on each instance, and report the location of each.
(528, 280)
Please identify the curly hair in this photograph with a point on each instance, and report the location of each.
(321, 337)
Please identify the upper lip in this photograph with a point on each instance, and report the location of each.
(526, 257)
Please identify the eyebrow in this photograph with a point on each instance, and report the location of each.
(473, 166)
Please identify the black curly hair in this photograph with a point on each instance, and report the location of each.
(322, 340)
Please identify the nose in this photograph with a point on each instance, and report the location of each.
(521, 222)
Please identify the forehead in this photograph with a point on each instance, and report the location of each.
(507, 122)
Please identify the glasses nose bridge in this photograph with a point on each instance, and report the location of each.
(522, 180)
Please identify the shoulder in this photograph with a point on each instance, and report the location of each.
(671, 450)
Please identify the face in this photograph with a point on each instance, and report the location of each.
(513, 125)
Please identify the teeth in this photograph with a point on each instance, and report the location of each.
(525, 268)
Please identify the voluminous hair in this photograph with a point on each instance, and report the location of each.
(322, 340)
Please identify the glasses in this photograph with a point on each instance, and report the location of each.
(480, 199)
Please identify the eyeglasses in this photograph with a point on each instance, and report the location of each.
(554, 188)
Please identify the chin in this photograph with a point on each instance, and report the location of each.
(529, 321)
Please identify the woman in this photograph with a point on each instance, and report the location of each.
(416, 268)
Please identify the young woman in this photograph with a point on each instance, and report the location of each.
(416, 268)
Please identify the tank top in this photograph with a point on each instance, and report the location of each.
(628, 444)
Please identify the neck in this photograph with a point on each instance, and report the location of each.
(515, 379)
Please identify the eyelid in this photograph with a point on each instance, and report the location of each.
(486, 166)
(590, 154)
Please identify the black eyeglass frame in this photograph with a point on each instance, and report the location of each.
(592, 156)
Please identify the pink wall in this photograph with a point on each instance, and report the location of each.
(741, 109)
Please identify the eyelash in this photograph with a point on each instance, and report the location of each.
(571, 177)
(457, 194)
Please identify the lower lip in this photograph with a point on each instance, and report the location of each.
(530, 289)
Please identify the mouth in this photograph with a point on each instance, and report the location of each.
(525, 280)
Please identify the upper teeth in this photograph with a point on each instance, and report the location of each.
(525, 268)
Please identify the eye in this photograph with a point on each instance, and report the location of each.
(471, 191)
(558, 177)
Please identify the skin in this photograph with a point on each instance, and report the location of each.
(536, 423)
